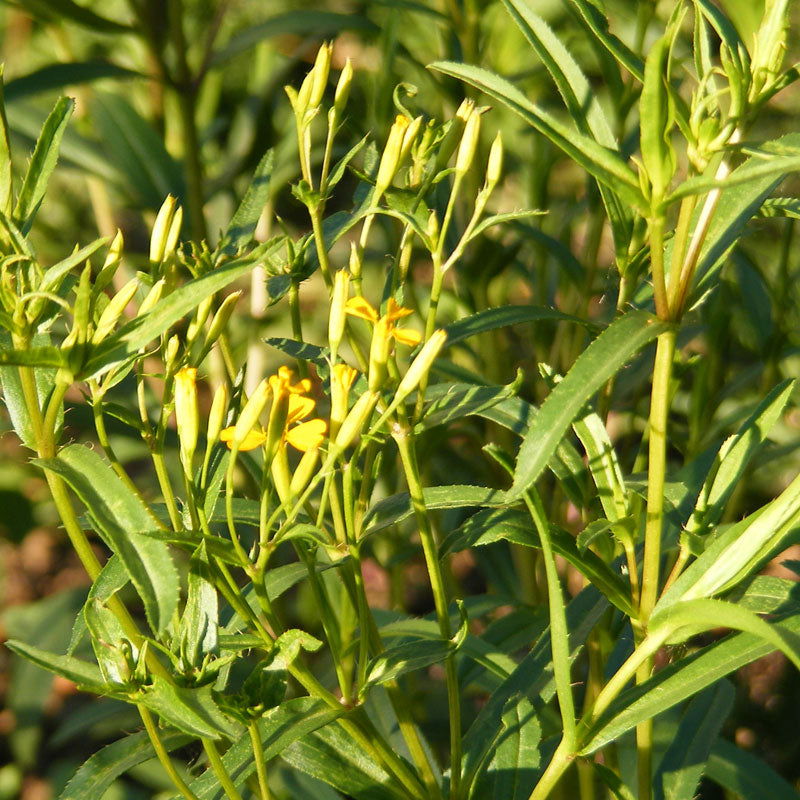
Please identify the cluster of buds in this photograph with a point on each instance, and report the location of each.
(166, 230)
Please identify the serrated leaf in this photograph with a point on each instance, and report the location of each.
(119, 517)
(596, 365)
(97, 774)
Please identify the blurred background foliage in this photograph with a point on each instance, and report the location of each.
(184, 97)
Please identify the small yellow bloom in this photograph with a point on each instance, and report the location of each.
(359, 307)
(255, 438)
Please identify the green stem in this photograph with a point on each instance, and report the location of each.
(261, 764)
(215, 761)
(162, 754)
(404, 440)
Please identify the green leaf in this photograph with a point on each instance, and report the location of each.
(492, 525)
(513, 769)
(330, 755)
(396, 508)
(533, 677)
(97, 774)
(736, 453)
(602, 163)
(747, 776)
(60, 10)
(736, 553)
(136, 150)
(6, 169)
(457, 400)
(407, 657)
(43, 162)
(679, 681)
(57, 76)
(82, 673)
(135, 335)
(54, 276)
(190, 540)
(242, 226)
(305, 22)
(13, 396)
(278, 728)
(198, 627)
(683, 764)
(655, 123)
(491, 319)
(191, 710)
(120, 516)
(596, 365)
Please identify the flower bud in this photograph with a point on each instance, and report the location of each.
(320, 72)
(250, 413)
(111, 264)
(409, 137)
(453, 135)
(217, 414)
(342, 378)
(469, 143)
(354, 265)
(220, 319)
(186, 414)
(337, 319)
(113, 311)
(200, 316)
(421, 365)
(379, 350)
(152, 297)
(162, 229)
(390, 160)
(494, 166)
(356, 421)
(171, 352)
(343, 88)
(281, 478)
(304, 472)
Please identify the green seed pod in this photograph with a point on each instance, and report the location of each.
(114, 310)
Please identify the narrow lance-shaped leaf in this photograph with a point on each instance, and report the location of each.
(746, 775)
(604, 164)
(6, 175)
(119, 516)
(43, 163)
(657, 154)
(597, 364)
(243, 223)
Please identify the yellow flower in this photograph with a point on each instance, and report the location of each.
(289, 407)
(359, 307)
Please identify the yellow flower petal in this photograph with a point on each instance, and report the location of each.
(395, 311)
(343, 376)
(407, 336)
(299, 408)
(255, 438)
(359, 307)
(307, 435)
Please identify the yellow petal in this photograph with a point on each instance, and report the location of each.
(344, 376)
(301, 387)
(299, 408)
(307, 435)
(407, 336)
(359, 307)
(255, 438)
(395, 311)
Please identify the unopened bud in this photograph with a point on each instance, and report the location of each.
(111, 264)
(354, 265)
(337, 319)
(83, 301)
(304, 472)
(356, 421)
(186, 414)
(171, 352)
(304, 95)
(113, 311)
(469, 143)
(162, 229)
(200, 317)
(453, 135)
(251, 412)
(342, 378)
(152, 297)
(281, 478)
(343, 88)
(494, 167)
(379, 350)
(220, 319)
(320, 72)
(409, 137)
(390, 160)
(217, 414)
(421, 365)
